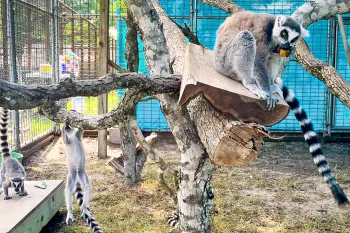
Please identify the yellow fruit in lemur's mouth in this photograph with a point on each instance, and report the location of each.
(284, 53)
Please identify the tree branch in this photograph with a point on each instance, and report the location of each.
(118, 115)
(195, 164)
(153, 155)
(313, 11)
(226, 5)
(16, 96)
(188, 33)
(325, 73)
(307, 14)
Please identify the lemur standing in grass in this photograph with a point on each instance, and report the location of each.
(250, 48)
(77, 179)
(12, 173)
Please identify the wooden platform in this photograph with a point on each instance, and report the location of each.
(224, 94)
(31, 213)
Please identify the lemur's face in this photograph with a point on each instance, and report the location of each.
(286, 32)
(17, 183)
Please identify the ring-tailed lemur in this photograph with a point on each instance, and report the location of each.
(249, 48)
(12, 173)
(77, 179)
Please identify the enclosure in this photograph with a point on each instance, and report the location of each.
(47, 42)
(45, 31)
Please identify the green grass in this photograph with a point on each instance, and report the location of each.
(91, 103)
(40, 125)
(248, 199)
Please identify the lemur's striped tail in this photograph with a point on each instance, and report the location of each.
(87, 215)
(173, 221)
(313, 140)
(4, 121)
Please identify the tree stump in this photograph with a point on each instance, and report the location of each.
(229, 118)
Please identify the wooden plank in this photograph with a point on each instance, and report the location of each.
(224, 94)
(103, 70)
(31, 213)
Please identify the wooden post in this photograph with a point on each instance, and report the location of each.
(102, 70)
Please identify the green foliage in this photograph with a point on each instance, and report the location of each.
(42, 125)
(91, 103)
(120, 4)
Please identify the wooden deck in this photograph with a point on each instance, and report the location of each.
(31, 213)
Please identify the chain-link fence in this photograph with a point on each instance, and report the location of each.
(78, 47)
(42, 41)
(328, 114)
(28, 57)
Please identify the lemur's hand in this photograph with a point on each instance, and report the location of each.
(271, 102)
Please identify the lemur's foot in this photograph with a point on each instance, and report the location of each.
(271, 103)
(276, 89)
(84, 212)
(261, 94)
(7, 198)
(23, 194)
(70, 217)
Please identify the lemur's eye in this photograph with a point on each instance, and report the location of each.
(283, 33)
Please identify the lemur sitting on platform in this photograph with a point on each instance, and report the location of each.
(12, 173)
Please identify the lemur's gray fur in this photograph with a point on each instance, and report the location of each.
(77, 179)
(12, 173)
(247, 49)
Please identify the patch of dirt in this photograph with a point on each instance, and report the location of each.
(281, 191)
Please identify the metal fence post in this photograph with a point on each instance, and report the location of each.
(193, 16)
(12, 45)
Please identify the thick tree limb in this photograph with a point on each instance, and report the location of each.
(307, 14)
(225, 5)
(132, 45)
(313, 11)
(16, 96)
(153, 155)
(195, 164)
(118, 115)
(325, 73)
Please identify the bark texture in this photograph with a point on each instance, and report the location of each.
(15, 96)
(132, 45)
(225, 5)
(307, 14)
(325, 73)
(132, 169)
(195, 164)
(129, 153)
(226, 142)
(118, 115)
(313, 11)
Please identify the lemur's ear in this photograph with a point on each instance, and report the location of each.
(280, 19)
(304, 32)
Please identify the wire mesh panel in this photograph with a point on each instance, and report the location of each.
(341, 111)
(27, 46)
(78, 42)
(309, 90)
